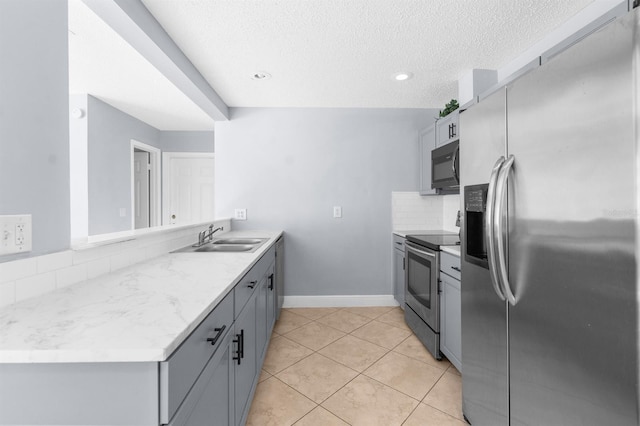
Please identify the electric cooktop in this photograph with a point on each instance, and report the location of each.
(435, 239)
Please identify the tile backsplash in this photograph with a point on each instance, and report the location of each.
(411, 211)
(34, 276)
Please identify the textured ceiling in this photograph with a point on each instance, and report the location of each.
(343, 53)
(320, 53)
(102, 64)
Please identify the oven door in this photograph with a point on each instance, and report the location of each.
(422, 283)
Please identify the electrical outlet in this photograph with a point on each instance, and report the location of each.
(241, 214)
(15, 234)
(19, 234)
(337, 212)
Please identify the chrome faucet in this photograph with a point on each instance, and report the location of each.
(204, 235)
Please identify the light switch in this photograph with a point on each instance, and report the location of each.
(15, 234)
(337, 212)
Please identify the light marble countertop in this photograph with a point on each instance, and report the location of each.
(140, 313)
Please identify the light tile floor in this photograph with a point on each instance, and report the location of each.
(353, 366)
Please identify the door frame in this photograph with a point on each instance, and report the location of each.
(155, 194)
(166, 176)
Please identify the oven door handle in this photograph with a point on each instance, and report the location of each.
(415, 248)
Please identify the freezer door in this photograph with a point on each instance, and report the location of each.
(484, 315)
(572, 225)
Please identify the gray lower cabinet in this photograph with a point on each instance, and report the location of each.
(398, 269)
(245, 365)
(279, 275)
(261, 317)
(450, 309)
(272, 300)
(208, 381)
(210, 401)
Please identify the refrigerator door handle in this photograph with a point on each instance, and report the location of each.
(491, 254)
(498, 220)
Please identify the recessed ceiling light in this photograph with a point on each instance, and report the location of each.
(260, 75)
(402, 76)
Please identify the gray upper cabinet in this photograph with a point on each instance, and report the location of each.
(427, 144)
(447, 129)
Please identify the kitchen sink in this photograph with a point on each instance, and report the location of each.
(225, 247)
(222, 245)
(239, 241)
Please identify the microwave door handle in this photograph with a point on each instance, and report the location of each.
(488, 226)
(454, 166)
(412, 247)
(498, 221)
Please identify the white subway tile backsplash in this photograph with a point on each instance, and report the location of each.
(7, 293)
(52, 262)
(98, 267)
(411, 211)
(121, 260)
(11, 271)
(34, 276)
(35, 285)
(71, 275)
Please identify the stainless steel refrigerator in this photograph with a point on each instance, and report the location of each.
(549, 171)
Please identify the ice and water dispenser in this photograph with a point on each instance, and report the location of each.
(475, 206)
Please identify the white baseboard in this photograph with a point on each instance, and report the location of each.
(339, 301)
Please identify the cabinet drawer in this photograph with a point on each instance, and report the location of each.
(450, 265)
(180, 371)
(244, 289)
(398, 242)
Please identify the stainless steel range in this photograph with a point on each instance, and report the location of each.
(422, 299)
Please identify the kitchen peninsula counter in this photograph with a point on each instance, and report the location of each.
(140, 313)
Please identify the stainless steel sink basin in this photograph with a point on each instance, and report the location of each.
(238, 245)
(239, 241)
(225, 247)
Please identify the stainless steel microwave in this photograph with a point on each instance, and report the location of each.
(445, 166)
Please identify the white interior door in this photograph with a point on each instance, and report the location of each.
(141, 185)
(188, 187)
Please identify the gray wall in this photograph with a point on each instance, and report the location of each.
(289, 167)
(180, 141)
(110, 133)
(34, 125)
(109, 157)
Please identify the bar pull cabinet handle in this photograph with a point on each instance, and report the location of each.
(498, 221)
(240, 348)
(252, 284)
(488, 226)
(455, 268)
(271, 282)
(453, 130)
(220, 330)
